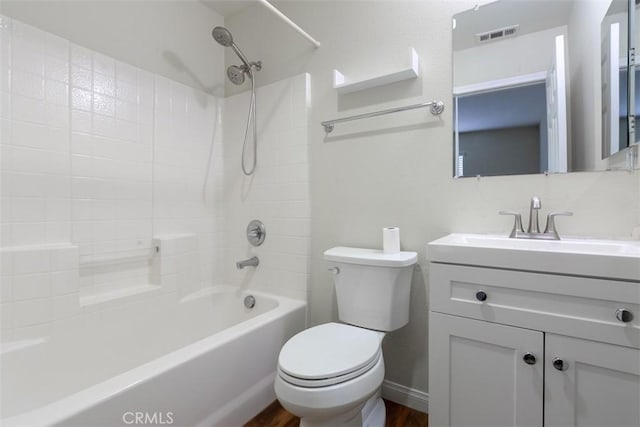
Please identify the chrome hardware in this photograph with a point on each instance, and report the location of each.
(560, 364)
(334, 270)
(534, 208)
(624, 315)
(481, 296)
(550, 228)
(533, 231)
(251, 262)
(256, 232)
(529, 358)
(517, 224)
(436, 108)
(249, 301)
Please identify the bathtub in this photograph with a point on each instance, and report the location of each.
(204, 361)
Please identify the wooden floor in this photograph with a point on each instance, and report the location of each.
(397, 416)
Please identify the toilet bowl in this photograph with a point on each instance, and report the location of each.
(331, 374)
(328, 373)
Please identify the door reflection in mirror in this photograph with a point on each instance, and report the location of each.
(502, 131)
(510, 89)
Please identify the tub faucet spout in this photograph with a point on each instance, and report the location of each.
(251, 262)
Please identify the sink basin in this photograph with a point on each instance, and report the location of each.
(588, 257)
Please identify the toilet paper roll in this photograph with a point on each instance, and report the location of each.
(391, 240)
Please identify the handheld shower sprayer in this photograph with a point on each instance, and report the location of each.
(236, 74)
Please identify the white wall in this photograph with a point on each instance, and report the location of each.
(98, 158)
(103, 161)
(277, 193)
(170, 38)
(511, 57)
(398, 170)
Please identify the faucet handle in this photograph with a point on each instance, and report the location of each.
(517, 224)
(551, 223)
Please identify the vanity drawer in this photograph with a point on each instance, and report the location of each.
(568, 305)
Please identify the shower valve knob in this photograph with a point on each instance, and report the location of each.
(256, 232)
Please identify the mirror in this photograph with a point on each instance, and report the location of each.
(615, 78)
(525, 87)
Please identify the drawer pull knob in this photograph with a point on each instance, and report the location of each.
(624, 315)
(529, 359)
(481, 296)
(560, 364)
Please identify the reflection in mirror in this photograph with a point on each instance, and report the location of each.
(635, 19)
(615, 77)
(510, 88)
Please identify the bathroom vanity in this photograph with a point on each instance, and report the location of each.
(533, 333)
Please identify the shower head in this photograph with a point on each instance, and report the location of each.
(222, 36)
(236, 74)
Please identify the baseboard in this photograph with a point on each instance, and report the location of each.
(414, 399)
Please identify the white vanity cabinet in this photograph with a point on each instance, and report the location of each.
(600, 386)
(517, 347)
(479, 377)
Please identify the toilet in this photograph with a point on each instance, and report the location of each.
(331, 374)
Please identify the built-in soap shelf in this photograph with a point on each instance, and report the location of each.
(112, 258)
(98, 298)
(342, 85)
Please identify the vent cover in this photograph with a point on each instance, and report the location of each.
(497, 34)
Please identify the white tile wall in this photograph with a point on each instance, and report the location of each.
(277, 194)
(111, 154)
(100, 161)
(188, 172)
(176, 265)
(38, 285)
(34, 141)
(111, 167)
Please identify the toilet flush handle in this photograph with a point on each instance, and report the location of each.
(334, 270)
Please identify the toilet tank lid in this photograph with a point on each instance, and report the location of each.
(370, 257)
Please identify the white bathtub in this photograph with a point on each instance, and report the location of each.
(206, 361)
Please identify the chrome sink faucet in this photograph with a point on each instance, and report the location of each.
(533, 230)
(534, 207)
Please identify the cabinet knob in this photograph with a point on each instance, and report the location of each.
(560, 364)
(529, 358)
(624, 315)
(481, 296)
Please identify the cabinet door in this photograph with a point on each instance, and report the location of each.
(478, 377)
(596, 384)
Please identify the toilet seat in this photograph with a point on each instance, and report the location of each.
(329, 354)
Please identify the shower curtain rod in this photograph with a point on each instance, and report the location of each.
(292, 24)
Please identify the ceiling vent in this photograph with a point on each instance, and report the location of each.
(498, 34)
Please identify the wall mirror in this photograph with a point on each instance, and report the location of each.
(525, 87)
(616, 79)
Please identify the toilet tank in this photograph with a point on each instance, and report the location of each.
(372, 287)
